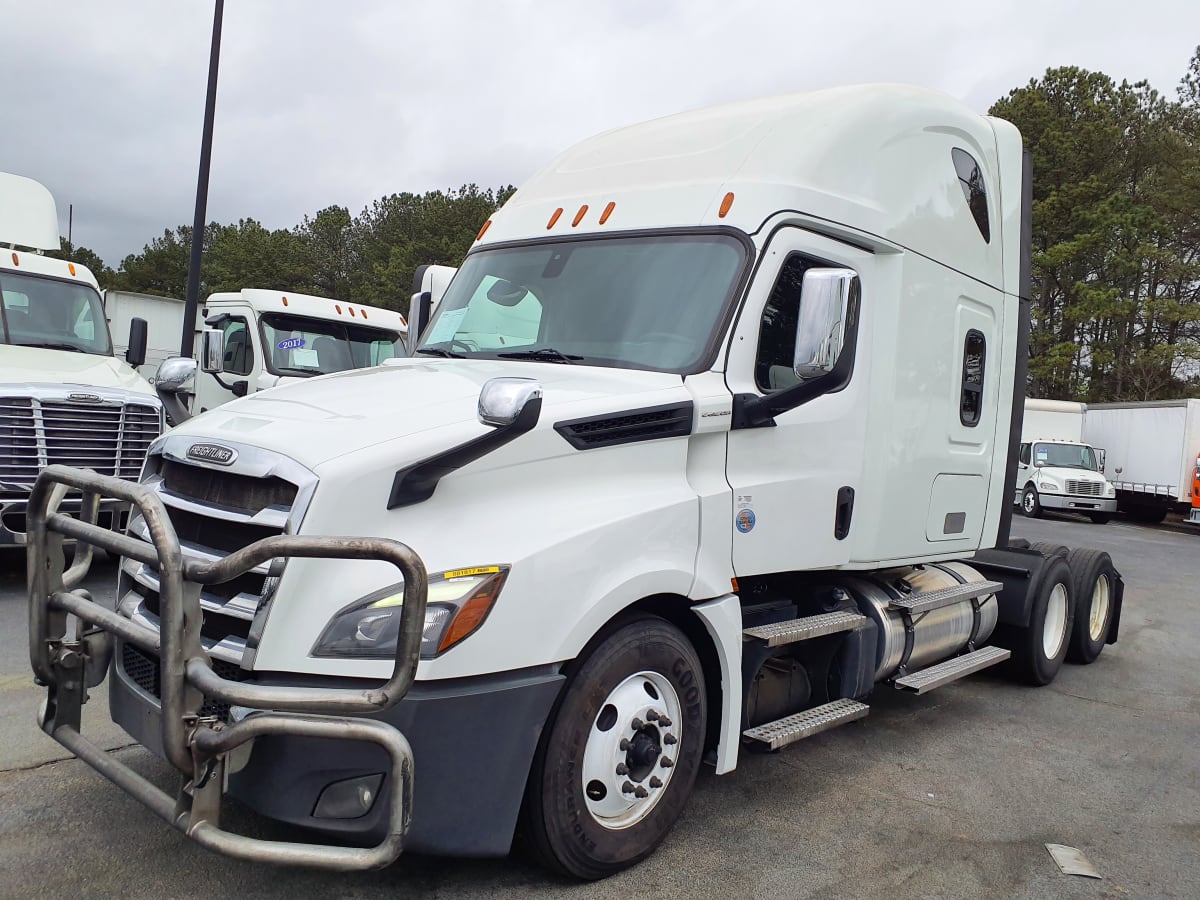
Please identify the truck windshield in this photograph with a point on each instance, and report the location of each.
(299, 345)
(647, 302)
(1066, 456)
(54, 314)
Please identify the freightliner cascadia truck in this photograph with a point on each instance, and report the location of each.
(65, 396)
(712, 435)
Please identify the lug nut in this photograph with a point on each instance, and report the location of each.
(627, 787)
(622, 769)
(641, 793)
(637, 724)
(655, 782)
(624, 745)
(652, 715)
(666, 762)
(664, 722)
(669, 739)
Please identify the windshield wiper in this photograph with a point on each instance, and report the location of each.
(441, 351)
(50, 346)
(549, 354)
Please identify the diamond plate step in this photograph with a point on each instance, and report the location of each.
(802, 629)
(796, 727)
(931, 600)
(952, 670)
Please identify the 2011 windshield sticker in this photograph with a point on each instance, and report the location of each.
(744, 518)
(291, 344)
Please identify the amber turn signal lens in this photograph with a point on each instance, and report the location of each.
(554, 218)
(472, 613)
(725, 205)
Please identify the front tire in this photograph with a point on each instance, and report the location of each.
(616, 765)
(1100, 518)
(1093, 582)
(1031, 506)
(1042, 645)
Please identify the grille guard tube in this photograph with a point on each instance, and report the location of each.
(194, 745)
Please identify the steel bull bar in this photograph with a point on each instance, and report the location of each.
(71, 647)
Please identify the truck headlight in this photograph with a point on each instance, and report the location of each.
(1047, 486)
(459, 601)
(1109, 490)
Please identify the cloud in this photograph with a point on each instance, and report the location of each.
(322, 104)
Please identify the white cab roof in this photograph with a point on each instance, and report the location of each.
(28, 217)
(308, 305)
(36, 264)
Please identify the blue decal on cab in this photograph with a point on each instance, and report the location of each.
(745, 520)
(291, 344)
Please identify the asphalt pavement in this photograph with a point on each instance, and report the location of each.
(951, 794)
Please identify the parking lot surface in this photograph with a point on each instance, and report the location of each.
(951, 794)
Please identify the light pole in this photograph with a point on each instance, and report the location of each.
(186, 346)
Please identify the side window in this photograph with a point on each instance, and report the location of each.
(777, 333)
(1024, 455)
(970, 179)
(971, 404)
(239, 352)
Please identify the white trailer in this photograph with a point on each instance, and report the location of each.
(1056, 468)
(164, 325)
(1153, 451)
(65, 396)
(712, 435)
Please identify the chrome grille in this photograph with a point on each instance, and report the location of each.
(109, 437)
(1084, 488)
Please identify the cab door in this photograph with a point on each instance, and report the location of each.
(239, 362)
(794, 482)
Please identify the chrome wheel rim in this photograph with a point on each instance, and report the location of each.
(1098, 617)
(631, 750)
(1054, 630)
(1029, 501)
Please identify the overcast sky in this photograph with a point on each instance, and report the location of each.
(326, 104)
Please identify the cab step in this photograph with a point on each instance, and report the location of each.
(952, 670)
(793, 630)
(805, 724)
(956, 593)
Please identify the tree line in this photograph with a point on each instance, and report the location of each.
(1116, 239)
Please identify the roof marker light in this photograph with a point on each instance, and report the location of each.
(725, 205)
(71, 268)
(338, 308)
(483, 230)
(364, 312)
(579, 215)
(607, 211)
(16, 260)
(351, 308)
(285, 301)
(554, 218)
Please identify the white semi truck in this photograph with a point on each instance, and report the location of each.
(264, 338)
(1154, 452)
(707, 441)
(65, 397)
(1056, 468)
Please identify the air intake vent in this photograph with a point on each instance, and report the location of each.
(651, 423)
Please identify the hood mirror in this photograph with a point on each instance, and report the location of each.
(176, 377)
(503, 400)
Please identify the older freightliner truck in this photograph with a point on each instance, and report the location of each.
(712, 435)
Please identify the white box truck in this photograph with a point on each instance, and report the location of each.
(266, 338)
(65, 396)
(1153, 451)
(1056, 468)
(731, 454)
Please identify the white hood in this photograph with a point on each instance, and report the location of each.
(37, 365)
(323, 418)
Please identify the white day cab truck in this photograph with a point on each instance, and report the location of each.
(253, 339)
(1056, 468)
(65, 398)
(708, 439)
(1154, 452)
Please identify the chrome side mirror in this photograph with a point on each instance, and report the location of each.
(828, 303)
(502, 400)
(212, 350)
(176, 376)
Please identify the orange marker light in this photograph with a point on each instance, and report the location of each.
(71, 268)
(554, 218)
(285, 301)
(364, 312)
(725, 205)
(338, 308)
(607, 211)
(351, 308)
(733, 583)
(483, 230)
(16, 260)
(579, 215)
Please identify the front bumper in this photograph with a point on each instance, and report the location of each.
(472, 741)
(1078, 504)
(1194, 515)
(114, 516)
